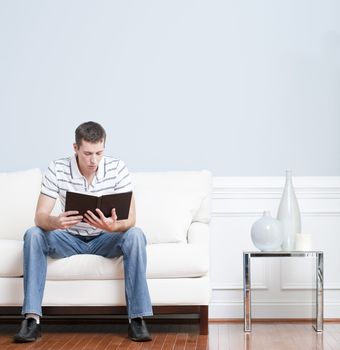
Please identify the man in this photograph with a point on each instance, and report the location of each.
(70, 233)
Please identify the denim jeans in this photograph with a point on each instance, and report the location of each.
(38, 244)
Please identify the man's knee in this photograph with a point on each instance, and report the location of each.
(33, 234)
(136, 236)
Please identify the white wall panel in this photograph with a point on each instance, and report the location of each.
(282, 287)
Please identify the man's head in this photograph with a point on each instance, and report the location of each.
(89, 146)
(90, 132)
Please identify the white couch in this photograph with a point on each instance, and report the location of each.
(173, 209)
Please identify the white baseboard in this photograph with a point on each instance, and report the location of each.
(276, 310)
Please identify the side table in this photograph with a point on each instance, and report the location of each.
(247, 256)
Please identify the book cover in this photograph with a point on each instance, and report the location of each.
(83, 202)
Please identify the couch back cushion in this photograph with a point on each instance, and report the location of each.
(19, 193)
(168, 202)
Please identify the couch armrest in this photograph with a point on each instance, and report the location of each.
(198, 234)
(198, 237)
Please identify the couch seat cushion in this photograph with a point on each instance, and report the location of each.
(164, 261)
(170, 260)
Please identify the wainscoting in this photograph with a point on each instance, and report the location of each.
(282, 288)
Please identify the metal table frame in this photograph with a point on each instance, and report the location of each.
(247, 282)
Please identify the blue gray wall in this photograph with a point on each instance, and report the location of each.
(237, 87)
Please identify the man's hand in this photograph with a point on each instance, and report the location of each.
(67, 219)
(110, 224)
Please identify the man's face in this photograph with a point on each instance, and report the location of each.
(89, 155)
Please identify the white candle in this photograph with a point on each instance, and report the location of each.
(303, 242)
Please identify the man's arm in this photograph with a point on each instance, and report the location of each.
(111, 224)
(131, 220)
(48, 222)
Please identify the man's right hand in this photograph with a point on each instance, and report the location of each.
(67, 219)
(47, 222)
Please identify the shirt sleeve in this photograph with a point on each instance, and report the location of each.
(49, 186)
(123, 180)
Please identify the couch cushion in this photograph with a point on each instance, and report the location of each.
(164, 261)
(171, 260)
(19, 192)
(168, 202)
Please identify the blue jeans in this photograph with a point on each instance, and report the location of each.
(38, 244)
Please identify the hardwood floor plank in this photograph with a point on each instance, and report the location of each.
(91, 344)
(169, 341)
(329, 338)
(78, 341)
(115, 342)
(236, 337)
(191, 341)
(126, 342)
(202, 342)
(85, 339)
(69, 341)
(213, 337)
(104, 342)
(158, 341)
(223, 336)
(181, 340)
(135, 346)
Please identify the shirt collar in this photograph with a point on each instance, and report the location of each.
(76, 174)
(101, 170)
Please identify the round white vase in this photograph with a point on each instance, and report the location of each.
(266, 233)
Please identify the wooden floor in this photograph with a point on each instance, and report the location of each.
(222, 335)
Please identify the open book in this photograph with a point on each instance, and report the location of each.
(83, 202)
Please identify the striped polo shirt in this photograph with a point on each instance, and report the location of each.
(63, 175)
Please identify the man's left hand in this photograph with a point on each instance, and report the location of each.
(109, 224)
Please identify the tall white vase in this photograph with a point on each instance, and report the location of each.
(289, 214)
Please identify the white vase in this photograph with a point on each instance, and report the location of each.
(266, 233)
(289, 214)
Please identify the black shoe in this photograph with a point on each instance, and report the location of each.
(138, 331)
(29, 331)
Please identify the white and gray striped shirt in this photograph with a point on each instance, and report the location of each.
(63, 175)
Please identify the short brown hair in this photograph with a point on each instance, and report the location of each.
(90, 132)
